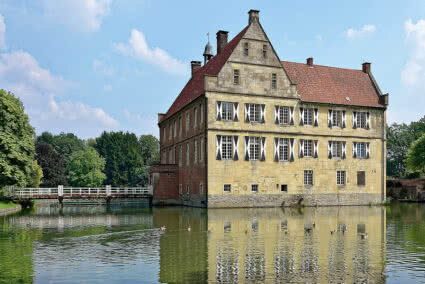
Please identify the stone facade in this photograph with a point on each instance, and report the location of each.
(255, 70)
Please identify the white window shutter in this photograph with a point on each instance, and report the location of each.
(291, 159)
(301, 154)
(291, 115)
(246, 148)
(276, 149)
(354, 119)
(316, 117)
(301, 116)
(263, 148)
(330, 118)
(367, 120)
(316, 148)
(235, 148)
(276, 114)
(354, 150)
(218, 147)
(218, 111)
(330, 149)
(344, 150)
(367, 150)
(344, 119)
(263, 113)
(236, 111)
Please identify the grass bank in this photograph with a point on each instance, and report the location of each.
(7, 205)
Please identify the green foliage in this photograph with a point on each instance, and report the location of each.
(150, 149)
(399, 139)
(65, 143)
(416, 155)
(37, 175)
(52, 164)
(16, 142)
(123, 155)
(91, 142)
(86, 168)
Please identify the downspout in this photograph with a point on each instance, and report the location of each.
(384, 155)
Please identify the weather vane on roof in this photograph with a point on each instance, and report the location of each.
(208, 35)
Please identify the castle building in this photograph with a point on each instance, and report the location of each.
(250, 130)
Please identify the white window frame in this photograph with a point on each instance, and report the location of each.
(337, 149)
(171, 132)
(181, 156)
(337, 118)
(187, 189)
(195, 154)
(284, 115)
(308, 150)
(195, 119)
(254, 148)
(254, 112)
(201, 151)
(187, 121)
(308, 177)
(361, 119)
(341, 177)
(284, 149)
(226, 147)
(308, 118)
(359, 146)
(201, 110)
(188, 154)
(255, 186)
(227, 111)
(180, 126)
(227, 187)
(175, 128)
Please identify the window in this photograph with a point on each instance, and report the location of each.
(340, 177)
(245, 49)
(362, 120)
(361, 150)
(337, 118)
(171, 132)
(201, 152)
(181, 156)
(226, 148)
(201, 109)
(254, 112)
(187, 154)
(187, 189)
(284, 188)
(165, 134)
(308, 177)
(187, 121)
(361, 178)
(170, 156)
(284, 115)
(283, 149)
(195, 119)
(308, 148)
(201, 188)
(195, 154)
(236, 77)
(274, 81)
(254, 225)
(180, 189)
(227, 188)
(337, 149)
(164, 157)
(254, 187)
(308, 116)
(175, 128)
(180, 126)
(264, 51)
(227, 111)
(227, 227)
(254, 148)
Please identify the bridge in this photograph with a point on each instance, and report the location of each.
(26, 195)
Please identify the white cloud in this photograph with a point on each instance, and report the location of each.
(319, 37)
(102, 68)
(146, 124)
(39, 89)
(107, 88)
(138, 48)
(2, 33)
(81, 15)
(366, 29)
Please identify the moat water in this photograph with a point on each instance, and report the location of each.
(126, 245)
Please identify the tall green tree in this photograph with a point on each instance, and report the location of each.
(86, 168)
(16, 142)
(37, 175)
(64, 143)
(123, 155)
(416, 156)
(52, 164)
(150, 149)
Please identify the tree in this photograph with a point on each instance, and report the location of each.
(416, 155)
(16, 142)
(65, 143)
(52, 164)
(150, 149)
(123, 155)
(37, 175)
(86, 168)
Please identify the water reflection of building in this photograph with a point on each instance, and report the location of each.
(325, 245)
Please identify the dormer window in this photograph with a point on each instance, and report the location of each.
(264, 51)
(245, 49)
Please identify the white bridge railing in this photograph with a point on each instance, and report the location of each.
(70, 192)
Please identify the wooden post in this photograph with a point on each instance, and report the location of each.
(60, 194)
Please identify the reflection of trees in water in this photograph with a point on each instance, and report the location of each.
(227, 265)
(337, 264)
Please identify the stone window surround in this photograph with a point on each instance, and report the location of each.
(341, 177)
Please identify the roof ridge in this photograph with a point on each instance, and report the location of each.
(320, 65)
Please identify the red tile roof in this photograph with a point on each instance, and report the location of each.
(326, 84)
(195, 87)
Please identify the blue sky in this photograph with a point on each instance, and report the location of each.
(85, 66)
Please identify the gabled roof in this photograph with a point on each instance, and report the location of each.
(333, 85)
(195, 86)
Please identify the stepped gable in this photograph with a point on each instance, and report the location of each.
(195, 87)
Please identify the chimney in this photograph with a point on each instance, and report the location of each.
(195, 66)
(221, 41)
(366, 67)
(310, 61)
(254, 16)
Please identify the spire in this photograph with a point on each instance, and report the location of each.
(208, 50)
